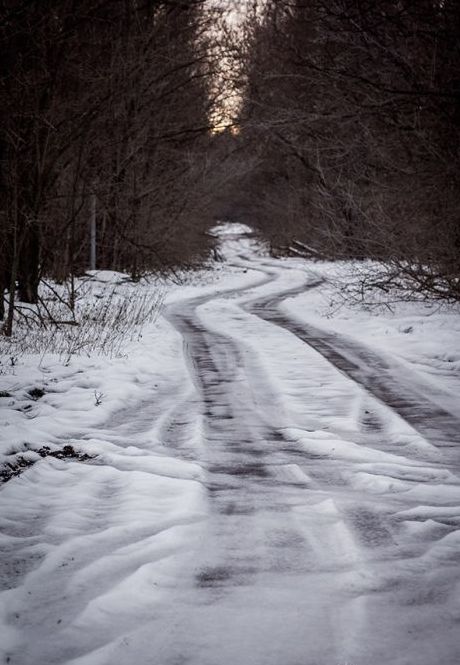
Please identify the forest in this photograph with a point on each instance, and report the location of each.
(128, 127)
(352, 110)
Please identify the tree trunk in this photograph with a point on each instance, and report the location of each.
(28, 265)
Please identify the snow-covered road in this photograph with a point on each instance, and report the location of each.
(291, 498)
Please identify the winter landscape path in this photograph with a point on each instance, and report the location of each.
(291, 499)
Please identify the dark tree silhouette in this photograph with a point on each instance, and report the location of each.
(106, 111)
(352, 109)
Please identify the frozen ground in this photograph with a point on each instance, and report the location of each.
(273, 481)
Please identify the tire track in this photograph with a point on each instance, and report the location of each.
(258, 551)
(367, 368)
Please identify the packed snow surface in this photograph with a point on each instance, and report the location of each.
(271, 481)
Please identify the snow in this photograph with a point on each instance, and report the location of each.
(271, 479)
(420, 338)
(226, 229)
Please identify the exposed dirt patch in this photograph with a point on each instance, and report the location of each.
(20, 463)
(36, 393)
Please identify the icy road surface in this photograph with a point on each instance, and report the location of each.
(290, 498)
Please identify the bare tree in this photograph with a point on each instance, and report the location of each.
(107, 110)
(352, 110)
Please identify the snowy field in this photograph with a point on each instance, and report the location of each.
(267, 476)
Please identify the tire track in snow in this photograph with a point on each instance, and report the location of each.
(367, 368)
(326, 548)
(258, 548)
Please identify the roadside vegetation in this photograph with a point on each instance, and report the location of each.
(350, 113)
(105, 144)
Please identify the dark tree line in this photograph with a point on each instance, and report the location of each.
(105, 125)
(351, 109)
(348, 142)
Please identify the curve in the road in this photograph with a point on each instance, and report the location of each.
(366, 367)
